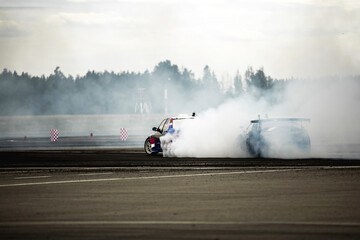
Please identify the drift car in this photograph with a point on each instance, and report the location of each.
(152, 145)
(276, 136)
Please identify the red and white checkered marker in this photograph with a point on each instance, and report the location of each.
(123, 134)
(54, 135)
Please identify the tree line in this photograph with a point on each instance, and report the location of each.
(166, 87)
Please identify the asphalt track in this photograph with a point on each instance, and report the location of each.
(124, 194)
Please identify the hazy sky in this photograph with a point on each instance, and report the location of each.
(286, 37)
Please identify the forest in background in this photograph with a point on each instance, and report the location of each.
(166, 89)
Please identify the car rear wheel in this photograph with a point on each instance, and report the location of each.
(147, 147)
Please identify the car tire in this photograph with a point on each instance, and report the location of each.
(147, 147)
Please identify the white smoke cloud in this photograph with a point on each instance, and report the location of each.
(331, 104)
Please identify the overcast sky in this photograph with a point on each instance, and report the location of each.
(287, 37)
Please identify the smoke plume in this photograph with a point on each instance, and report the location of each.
(331, 104)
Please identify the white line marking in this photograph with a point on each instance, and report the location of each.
(31, 223)
(92, 174)
(32, 177)
(141, 178)
(340, 167)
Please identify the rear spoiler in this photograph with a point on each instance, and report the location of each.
(281, 119)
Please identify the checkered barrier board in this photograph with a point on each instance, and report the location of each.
(54, 135)
(123, 134)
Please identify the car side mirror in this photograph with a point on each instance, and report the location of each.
(154, 129)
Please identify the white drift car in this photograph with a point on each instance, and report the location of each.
(164, 135)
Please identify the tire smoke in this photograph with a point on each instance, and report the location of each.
(331, 104)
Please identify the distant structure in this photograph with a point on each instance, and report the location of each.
(143, 104)
(166, 97)
(165, 101)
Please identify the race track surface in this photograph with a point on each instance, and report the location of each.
(125, 194)
(135, 157)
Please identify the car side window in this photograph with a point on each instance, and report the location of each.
(161, 126)
(167, 125)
